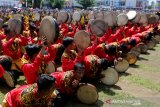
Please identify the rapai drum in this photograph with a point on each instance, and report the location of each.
(76, 16)
(15, 26)
(131, 57)
(111, 76)
(50, 67)
(110, 18)
(122, 19)
(150, 44)
(136, 50)
(143, 47)
(131, 14)
(62, 17)
(98, 27)
(9, 78)
(49, 28)
(87, 94)
(122, 65)
(82, 40)
(1, 23)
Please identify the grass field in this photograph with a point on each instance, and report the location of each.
(137, 87)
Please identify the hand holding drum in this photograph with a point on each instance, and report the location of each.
(49, 29)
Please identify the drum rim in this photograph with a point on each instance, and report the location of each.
(84, 85)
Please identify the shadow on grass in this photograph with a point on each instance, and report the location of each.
(21, 82)
(134, 66)
(146, 53)
(152, 49)
(4, 88)
(74, 102)
(124, 74)
(141, 58)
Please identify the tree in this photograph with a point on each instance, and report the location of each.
(86, 3)
(57, 3)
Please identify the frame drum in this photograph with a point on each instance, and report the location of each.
(82, 40)
(98, 27)
(49, 28)
(50, 67)
(15, 25)
(111, 76)
(122, 19)
(9, 78)
(131, 57)
(76, 16)
(122, 65)
(87, 94)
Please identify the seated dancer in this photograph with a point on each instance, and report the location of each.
(109, 51)
(33, 95)
(93, 67)
(36, 60)
(67, 82)
(6, 74)
(128, 43)
(11, 46)
(69, 57)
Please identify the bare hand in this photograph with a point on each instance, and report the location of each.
(75, 83)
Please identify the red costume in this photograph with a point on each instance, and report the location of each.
(1, 71)
(68, 60)
(91, 66)
(30, 70)
(25, 96)
(64, 82)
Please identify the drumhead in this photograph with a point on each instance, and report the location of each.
(111, 76)
(9, 79)
(143, 47)
(122, 66)
(150, 44)
(122, 19)
(76, 16)
(99, 15)
(143, 19)
(110, 18)
(15, 26)
(91, 15)
(98, 27)
(136, 50)
(37, 16)
(62, 17)
(1, 23)
(137, 18)
(49, 28)
(131, 14)
(87, 94)
(50, 67)
(131, 57)
(82, 40)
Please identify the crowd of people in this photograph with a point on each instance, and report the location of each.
(54, 71)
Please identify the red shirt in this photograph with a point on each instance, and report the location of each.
(64, 82)
(1, 71)
(69, 60)
(91, 66)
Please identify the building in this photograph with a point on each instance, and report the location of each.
(9, 3)
(141, 4)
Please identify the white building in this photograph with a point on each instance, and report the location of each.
(9, 3)
(124, 3)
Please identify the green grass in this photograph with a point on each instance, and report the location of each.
(142, 82)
